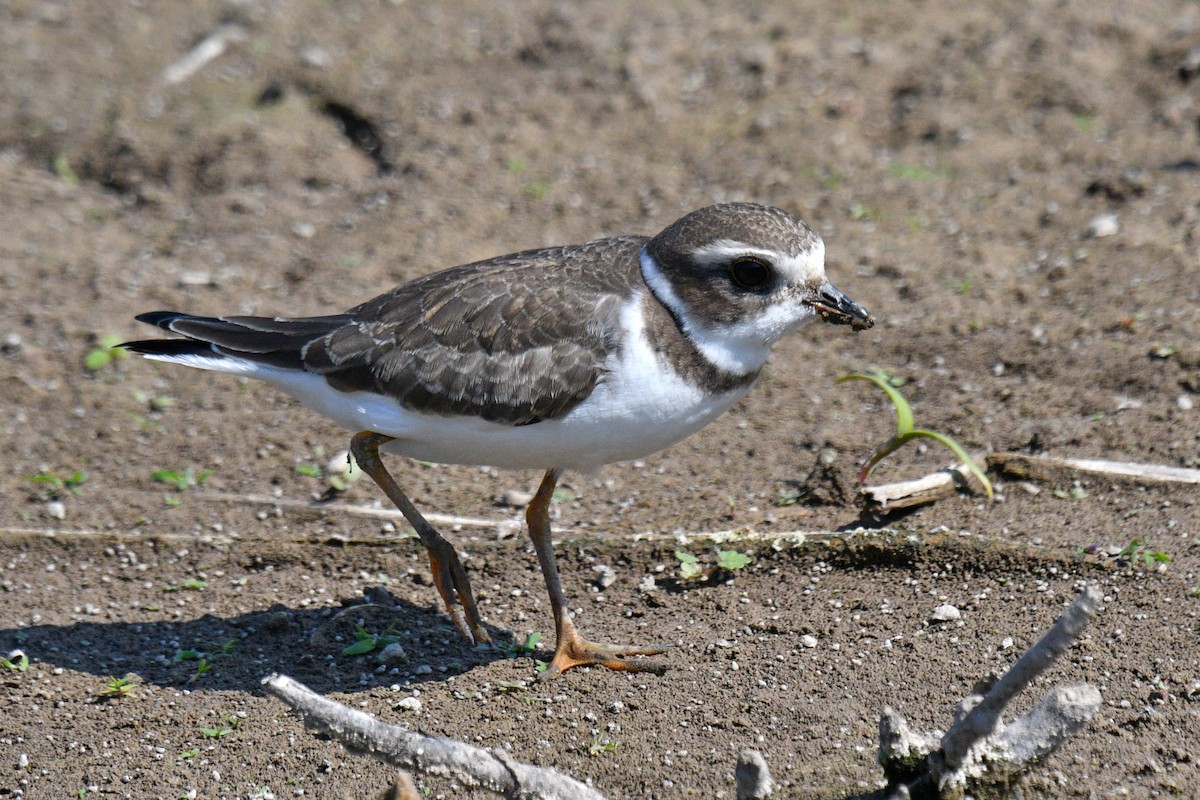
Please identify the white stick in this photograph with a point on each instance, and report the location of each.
(472, 766)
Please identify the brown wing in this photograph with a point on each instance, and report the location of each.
(516, 339)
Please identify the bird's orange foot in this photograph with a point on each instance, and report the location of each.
(575, 651)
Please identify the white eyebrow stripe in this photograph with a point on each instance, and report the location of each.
(722, 251)
(804, 267)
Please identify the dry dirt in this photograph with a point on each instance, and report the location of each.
(953, 156)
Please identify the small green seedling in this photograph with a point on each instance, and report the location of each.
(905, 432)
(187, 584)
(233, 722)
(690, 568)
(365, 642)
(55, 486)
(16, 661)
(195, 751)
(181, 480)
(1138, 550)
(731, 560)
(515, 649)
(202, 669)
(602, 745)
(117, 687)
(107, 351)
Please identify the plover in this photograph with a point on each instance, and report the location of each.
(566, 358)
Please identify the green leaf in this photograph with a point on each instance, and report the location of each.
(685, 557)
(363, 642)
(18, 664)
(311, 470)
(168, 476)
(905, 431)
(689, 570)
(732, 559)
(97, 360)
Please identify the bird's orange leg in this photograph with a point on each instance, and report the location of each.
(571, 649)
(448, 574)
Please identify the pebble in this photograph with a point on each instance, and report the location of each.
(946, 613)
(808, 640)
(606, 576)
(393, 654)
(1103, 225)
(196, 277)
(1006, 643)
(1185, 403)
(515, 498)
(424, 669)
(304, 230)
(647, 584)
(56, 509)
(410, 704)
(12, 344)
(23, 761)
(314, 56)
(616, 707)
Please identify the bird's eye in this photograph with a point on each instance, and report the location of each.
(749, 273)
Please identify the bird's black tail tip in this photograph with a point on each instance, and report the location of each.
(168, 347)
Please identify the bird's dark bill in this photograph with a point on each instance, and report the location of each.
(835, 307)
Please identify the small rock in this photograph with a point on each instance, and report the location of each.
(1185, 403)
(410, 704)
(606, 576)
(23, 761)
(56, 509)
(723, 643)
(1006, 643)
(946, 613)
(12, 344)
(515, 498)
(1125, 403)
(647, 584)
(616, 707)
(392, 655)
(195, 277)
(314, 56)
(424, 669)
(808, 640)
(304, 230)
(1103, 225)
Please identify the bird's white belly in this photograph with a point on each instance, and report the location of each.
(639, 407)
(614, 424)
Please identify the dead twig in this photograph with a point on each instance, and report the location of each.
(936, 486)
(1046, 468)
(493, 770)
(979, 756)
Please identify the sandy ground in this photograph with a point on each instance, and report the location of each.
(1014, 191)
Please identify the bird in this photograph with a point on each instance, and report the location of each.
(556, 359)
